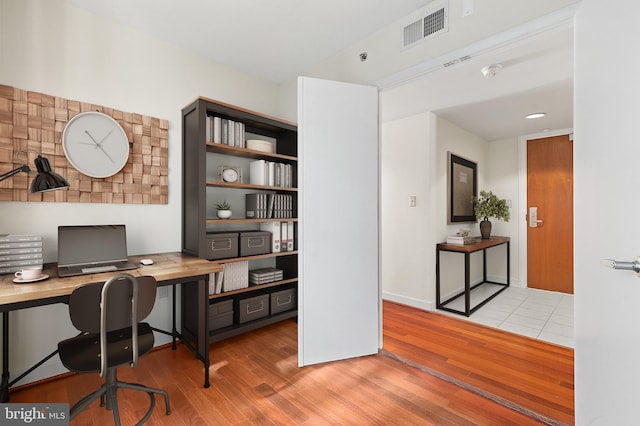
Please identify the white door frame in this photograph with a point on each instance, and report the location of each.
(522, 199)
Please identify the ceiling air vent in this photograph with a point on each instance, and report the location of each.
(426, 27)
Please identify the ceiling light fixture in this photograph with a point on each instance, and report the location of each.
(491, 70)
(535, 115)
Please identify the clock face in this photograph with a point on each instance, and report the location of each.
(95, 144)
(230, 175)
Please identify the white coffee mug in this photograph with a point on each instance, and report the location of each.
(30, 273)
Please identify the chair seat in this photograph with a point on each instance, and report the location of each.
(81, 354)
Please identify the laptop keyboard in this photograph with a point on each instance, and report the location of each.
(96, 269)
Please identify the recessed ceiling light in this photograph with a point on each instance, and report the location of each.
(535, 115)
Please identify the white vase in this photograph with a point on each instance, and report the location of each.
(224, 214)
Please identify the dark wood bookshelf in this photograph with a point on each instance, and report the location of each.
(197, 222)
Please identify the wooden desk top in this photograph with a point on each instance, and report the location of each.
(470, 248)
(166, 266)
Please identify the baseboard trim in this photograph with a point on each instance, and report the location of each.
(425, 305)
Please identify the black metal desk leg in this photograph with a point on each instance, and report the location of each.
(205, 337)
(174, 332)
(467, 284)
(438, 278)
(4, 386)
(508, 263)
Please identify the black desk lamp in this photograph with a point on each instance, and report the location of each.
(46, 180)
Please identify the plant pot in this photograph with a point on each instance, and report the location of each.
(224, 214)
(485, 229)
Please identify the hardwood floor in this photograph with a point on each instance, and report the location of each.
(531, 374)
(255, 380)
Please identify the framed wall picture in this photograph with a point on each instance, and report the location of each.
(463, 187)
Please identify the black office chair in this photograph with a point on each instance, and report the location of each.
(104, 313)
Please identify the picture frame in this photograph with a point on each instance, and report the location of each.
(462, 188)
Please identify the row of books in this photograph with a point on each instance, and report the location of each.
(18, 251)
(461, 240)
(268, 206)
(269, 173)
(234, 276)
(282, 238)
(265, 275)
(225, 131)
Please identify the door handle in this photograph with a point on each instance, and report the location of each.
(534, 222)
(623, 266)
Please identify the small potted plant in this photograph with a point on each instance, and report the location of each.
(224, 210)
(489, 205)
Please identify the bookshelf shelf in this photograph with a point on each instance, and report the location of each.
(200, 192)
(248, 153)
(220, 221)
(251, 289)
(219, 184)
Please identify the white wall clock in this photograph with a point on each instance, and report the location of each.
(95, 144)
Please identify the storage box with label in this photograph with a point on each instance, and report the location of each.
(284, 300)
(255, 242)
(221, 245)
(221, 314)
(253, 308)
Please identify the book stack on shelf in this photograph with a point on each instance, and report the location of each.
(461, 240)
(268, 206)
(225, 131)
(269, 173)
(235, 275)
(265, 275)
(18, 251)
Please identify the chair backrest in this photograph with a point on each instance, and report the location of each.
(121, 302)
(85, 303)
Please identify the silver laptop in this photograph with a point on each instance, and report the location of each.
(89, 249)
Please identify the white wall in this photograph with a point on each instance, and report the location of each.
(408, 159)
(501, 174)
(52, 47)
(451, 138)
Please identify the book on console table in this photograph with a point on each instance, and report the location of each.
(461, 240)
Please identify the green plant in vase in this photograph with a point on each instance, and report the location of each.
(224, 210)
(489, 205)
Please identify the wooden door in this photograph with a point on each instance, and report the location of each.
(550, 190)
(338, 175)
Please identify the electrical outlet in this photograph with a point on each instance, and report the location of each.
(412, 201)
(163, 292)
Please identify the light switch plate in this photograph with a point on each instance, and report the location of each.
(467, 7)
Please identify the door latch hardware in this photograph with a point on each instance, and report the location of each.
(623, 266)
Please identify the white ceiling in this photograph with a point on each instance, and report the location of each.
(275, 40)
(537, 76)
(280, 39)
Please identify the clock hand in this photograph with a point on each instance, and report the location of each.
(99, 146)
(106, 136)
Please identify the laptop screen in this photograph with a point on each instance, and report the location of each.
(91, 244)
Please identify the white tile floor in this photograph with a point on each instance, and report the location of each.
(544, 315)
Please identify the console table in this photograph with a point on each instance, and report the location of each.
(467, 250)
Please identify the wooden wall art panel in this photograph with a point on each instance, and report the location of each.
(31, 123)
